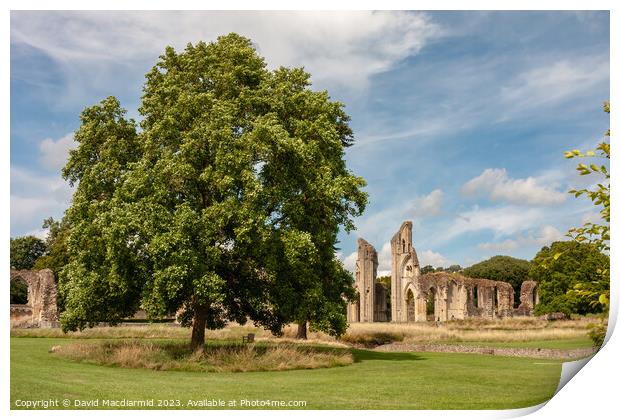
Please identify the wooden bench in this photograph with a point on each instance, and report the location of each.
(248, 338)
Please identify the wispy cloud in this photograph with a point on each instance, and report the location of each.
(341, 48)
(555, 81)
(545, 236)
(386, 221)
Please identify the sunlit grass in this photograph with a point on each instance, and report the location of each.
(216, 357)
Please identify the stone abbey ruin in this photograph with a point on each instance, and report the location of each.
(416, 297)
(41, 310)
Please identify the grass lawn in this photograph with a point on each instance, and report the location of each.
(562, 344)
(376, 381)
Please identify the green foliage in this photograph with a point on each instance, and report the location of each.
(597, 334)
(502, 268)
(594, 233)
(427, 269)
(560, 268)
(25, 250)
(455, 268)
(19, 292)
(56, 243)
(226, 204)
(597, 234)
(430, 304)
(386, 281)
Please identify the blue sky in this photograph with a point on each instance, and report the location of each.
(461, 118)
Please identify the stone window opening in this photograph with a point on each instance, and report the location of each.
(19, 291)
(476, 297)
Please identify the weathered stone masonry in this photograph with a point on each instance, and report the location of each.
(370, 306)
(453, 296)
(41, 309)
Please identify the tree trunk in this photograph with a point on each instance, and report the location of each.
(302, 330)
(198, 328)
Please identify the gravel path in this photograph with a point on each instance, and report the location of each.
(498, 351)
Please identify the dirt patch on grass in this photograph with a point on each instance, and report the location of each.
(215, 358)
(538, 353)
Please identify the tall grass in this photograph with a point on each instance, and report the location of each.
(216, 357)
(363, 334)
(506, 330)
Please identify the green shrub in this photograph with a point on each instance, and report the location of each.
(597, 334)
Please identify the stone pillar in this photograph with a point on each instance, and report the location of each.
(405, 270)
(365, 279)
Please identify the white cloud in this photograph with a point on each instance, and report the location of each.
(341, 47)
(385, 258)
(499, 187)
(435, 259)
(545, 236)
(428, 205)
(502, 221)
(555, 81)
(349, 261)
(39, 233)
(35, 197)
(54, 154)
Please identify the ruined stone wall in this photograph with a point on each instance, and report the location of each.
(458, 297)
(42, 294)
(529, 298)
(454, 296)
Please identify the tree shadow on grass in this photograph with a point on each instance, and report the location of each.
(363, 355)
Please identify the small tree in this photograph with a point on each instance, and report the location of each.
(559, 268)
(455, 268)
(25, 250)
(427, 269)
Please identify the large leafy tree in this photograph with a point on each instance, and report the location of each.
(560, 267)
(502, 268)
(25, 250)
(225, 206)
